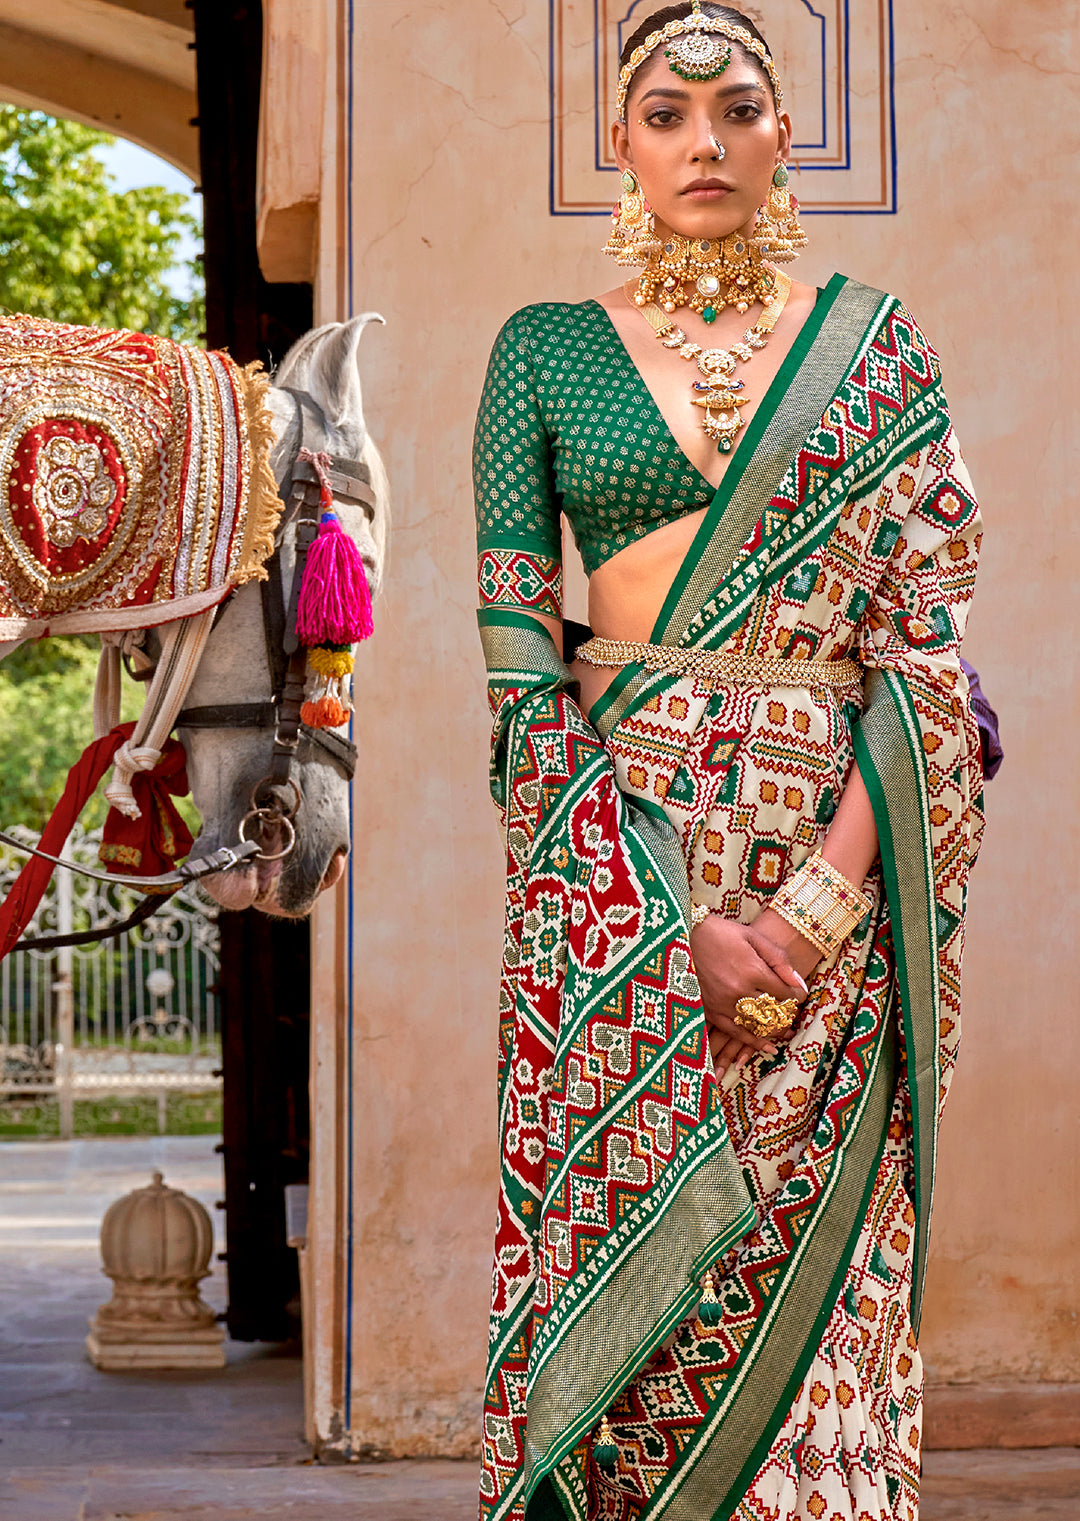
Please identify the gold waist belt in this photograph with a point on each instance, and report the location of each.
(718, 665)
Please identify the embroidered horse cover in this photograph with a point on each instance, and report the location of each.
(135, 480)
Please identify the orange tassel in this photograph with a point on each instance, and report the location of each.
(324, 713)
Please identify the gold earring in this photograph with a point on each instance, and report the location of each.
(633, 237)
(778, 234)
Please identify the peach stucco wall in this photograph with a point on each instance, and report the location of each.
(451, 231)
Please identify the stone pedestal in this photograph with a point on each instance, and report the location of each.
(155, 1246)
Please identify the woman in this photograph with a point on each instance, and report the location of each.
(738, 826)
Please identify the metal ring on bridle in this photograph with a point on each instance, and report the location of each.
(277, 818)
(276, 807)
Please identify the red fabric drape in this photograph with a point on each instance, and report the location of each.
(145, 846)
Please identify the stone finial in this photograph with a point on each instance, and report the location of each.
(155, 1246)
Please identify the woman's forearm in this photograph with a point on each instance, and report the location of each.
(851, 845)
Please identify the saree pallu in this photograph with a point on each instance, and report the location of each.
(844, 525)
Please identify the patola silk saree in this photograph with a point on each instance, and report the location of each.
(845, 525)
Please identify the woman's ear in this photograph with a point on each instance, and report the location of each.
(784, 145)
(620, 142)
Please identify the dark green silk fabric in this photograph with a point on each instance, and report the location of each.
(566, 424)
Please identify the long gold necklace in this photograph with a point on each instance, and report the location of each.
(718, 391)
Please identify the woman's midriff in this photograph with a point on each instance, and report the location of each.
(627, 592)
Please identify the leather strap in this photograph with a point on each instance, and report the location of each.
(350, 479)
(286, 659)
(348, 486)
(264, 715)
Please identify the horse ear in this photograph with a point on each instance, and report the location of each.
(325, 364)
(335, 371)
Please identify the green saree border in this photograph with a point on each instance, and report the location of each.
(728, 1447)
(773, 438)
(892, 764)
(718, 1177)
(510, 617)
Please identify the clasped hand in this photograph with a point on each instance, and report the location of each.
(734, 961)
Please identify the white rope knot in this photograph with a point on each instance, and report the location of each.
(132, 758)
(127, 760)
(182, 644)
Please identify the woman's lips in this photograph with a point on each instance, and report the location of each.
(706, 193)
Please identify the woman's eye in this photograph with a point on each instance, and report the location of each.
(747, 111)
(660, 118)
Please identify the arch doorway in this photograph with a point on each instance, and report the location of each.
(182, 78)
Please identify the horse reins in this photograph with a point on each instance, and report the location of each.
(350, 481)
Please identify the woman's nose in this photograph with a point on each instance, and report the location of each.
(708, 147)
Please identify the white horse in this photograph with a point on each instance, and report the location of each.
(225, 764)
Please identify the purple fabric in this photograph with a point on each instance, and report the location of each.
(987, 720)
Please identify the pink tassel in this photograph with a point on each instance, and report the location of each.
(335, 602)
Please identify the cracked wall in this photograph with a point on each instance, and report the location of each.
(450, 232)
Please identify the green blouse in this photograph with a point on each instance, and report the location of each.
(567, 425)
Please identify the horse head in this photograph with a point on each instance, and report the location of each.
(316, 401)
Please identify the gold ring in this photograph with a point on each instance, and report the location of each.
(764, 1015)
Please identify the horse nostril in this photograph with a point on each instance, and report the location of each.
(335, 870)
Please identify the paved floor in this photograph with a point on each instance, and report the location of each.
(79, 1445)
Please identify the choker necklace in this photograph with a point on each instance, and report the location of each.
(719, 273)
(717, 392)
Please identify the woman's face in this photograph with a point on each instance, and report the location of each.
(667, 140)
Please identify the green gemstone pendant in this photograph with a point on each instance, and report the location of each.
(724, 446)
(709, 314)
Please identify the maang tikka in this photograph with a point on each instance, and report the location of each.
(633, 237)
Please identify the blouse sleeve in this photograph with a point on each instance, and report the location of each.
(518, 530)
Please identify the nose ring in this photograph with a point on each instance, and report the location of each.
(721, 151)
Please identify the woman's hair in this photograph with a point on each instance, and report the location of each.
(661, 18)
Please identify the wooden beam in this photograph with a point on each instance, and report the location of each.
(71, 81)
(290, 137)
(174, 12)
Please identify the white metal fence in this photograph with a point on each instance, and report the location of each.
(135, 1014)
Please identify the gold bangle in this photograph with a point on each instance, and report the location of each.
(699, 912)
(821, 904)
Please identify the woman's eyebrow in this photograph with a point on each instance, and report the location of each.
(729, 89)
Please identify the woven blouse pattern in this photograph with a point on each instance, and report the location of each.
(567, 425)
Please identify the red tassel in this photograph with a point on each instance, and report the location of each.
(335, 603)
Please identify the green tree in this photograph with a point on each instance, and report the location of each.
(46, 703)
(75, 249)
(46, 708)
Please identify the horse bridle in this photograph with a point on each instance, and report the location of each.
(350, 481)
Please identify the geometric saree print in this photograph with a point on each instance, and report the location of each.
(845, 526)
